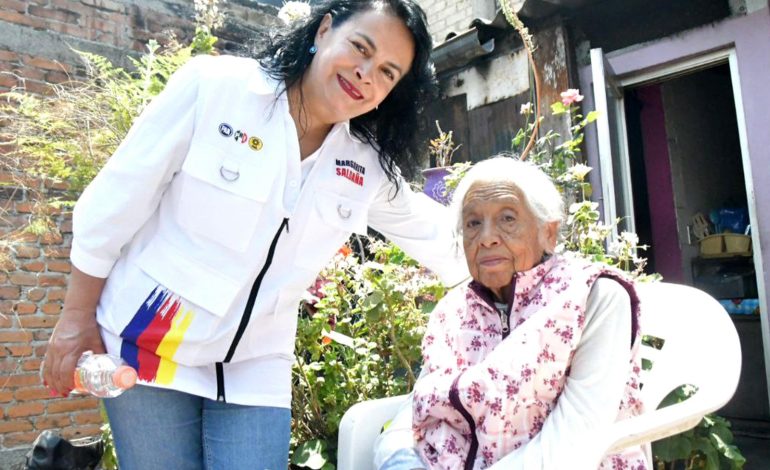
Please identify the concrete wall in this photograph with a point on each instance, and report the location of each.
(503, 77)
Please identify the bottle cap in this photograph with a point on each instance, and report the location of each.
(124, 377)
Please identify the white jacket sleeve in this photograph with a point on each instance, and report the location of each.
(594, 388)
(422, 227)
(128, 189)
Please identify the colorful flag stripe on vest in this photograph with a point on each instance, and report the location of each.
(152, 337)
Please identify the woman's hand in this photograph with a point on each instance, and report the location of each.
(76, 332)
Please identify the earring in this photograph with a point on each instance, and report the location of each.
(313, 49)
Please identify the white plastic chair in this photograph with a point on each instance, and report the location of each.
(701, 348)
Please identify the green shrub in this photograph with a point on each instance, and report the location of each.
(67, 137)
(358, 338)
(708, 446)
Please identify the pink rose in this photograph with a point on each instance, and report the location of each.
(571, 96)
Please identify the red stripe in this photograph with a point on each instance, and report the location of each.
(151, 338)
(148, 365)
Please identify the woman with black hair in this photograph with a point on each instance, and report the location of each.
(194, 244)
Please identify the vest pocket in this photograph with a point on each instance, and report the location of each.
(190, 279)
(221, 197)
(272, 328)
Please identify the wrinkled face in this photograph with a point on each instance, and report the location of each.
(357, 64)
(501, 235)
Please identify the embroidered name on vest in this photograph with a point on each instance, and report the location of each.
(351, 170)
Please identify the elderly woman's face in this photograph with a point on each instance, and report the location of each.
(500, 234)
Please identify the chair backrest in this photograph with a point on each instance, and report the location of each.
(700, 348)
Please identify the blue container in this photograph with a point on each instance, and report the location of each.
(741, 306)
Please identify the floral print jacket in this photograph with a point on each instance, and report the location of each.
(486, 392)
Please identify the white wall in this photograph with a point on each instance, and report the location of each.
(501, 78)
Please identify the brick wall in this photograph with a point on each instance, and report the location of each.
(37, 36)
(35, 41)
(446, 16)
(32, 286)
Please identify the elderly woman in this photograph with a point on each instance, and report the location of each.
(539, 350)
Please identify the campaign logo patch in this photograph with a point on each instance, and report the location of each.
(239, 136)
(351, 170)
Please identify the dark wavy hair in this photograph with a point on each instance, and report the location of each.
(393, 128)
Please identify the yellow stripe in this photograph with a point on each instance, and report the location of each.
(166, 371)
(170, 343)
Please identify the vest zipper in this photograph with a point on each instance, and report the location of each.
(220, 382)
(505, 317)
(247, 311)
(505, 320)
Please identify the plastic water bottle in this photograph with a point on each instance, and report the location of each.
(103, 375)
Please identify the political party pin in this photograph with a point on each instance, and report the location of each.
(225, 129)
(255, 143)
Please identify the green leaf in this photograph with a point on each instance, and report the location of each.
(721, 432)
(519, 138)
(558, 108)
(729, 451)
(373, 300)
(310, 454)
(427, 307)
(373, 316)
(712, 458)
(672, 448)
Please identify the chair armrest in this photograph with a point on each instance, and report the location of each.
(658, 424)
(647, 427)
(359, 428)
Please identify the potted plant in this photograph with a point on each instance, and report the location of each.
(441, 148)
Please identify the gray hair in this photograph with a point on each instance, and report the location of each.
(540, 194)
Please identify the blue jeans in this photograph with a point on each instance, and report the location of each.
(163, 429)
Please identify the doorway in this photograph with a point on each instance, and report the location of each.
(685, 164)
(685, 159)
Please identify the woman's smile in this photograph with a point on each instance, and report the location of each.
(349, 88)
